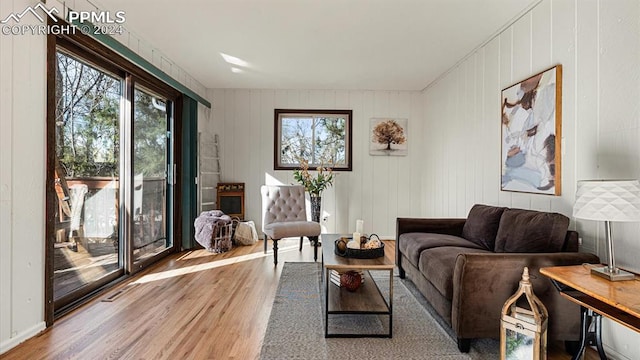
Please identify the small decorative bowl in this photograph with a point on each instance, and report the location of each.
(351, 280)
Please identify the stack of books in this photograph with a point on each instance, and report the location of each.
(334, 276)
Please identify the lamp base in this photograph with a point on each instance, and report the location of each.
(615, 275)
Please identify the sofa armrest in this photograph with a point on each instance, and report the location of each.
(432, 225)
(424, 225)
(483, 282)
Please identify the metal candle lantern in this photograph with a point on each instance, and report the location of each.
(523, 332)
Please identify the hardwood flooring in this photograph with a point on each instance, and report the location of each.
(192, 305)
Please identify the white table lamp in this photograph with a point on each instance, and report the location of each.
(608, 200)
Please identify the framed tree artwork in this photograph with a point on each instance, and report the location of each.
(532, 134)
(388, 137)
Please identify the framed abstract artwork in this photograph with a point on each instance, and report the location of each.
(388, 137)
(532, 133)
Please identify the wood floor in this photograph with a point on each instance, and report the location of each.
(193, 305)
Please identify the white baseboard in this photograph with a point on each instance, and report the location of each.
(21, 337)
(613, 354)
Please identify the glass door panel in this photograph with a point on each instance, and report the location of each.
(151, 190)
(87, 179)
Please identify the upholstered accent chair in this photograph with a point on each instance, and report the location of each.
(284, 215)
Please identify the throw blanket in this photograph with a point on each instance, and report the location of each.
(206, 226)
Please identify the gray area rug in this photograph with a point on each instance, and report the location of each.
(296, 325)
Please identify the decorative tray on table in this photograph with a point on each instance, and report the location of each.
(369, 248)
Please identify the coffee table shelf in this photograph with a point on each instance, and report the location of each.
(367, 300)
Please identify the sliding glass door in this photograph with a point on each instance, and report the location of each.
(111, 176)
(86, 178)
(152, 167)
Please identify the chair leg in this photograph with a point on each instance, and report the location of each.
(314, 243)
(265, 242)
(300, 249)
(275, 252)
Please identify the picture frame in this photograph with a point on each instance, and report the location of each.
(531, 136)
(388, 137)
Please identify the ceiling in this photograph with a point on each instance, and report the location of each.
(316, 44)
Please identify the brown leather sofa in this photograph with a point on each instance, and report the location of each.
(467, 268)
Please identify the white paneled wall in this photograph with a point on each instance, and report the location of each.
(615, 123)
(22, 185)
(462, 112)
(597, 44)
(379, 188)
(204, 123)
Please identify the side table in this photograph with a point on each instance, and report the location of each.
(597, 297)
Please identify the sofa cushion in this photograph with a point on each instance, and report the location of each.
(482, 224)
(530, 231)
(412, 244)
(437, 266)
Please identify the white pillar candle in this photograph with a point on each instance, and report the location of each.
(360, 226)
(355, 242)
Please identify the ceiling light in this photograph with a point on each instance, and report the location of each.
(234, 60)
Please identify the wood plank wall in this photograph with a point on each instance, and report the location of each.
(22, 181)
(597, 43)
(379, 188)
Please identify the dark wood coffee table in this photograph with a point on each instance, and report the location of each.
(367, 300)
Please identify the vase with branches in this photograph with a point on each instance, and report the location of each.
(315, 184)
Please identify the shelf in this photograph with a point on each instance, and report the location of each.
(366, 299)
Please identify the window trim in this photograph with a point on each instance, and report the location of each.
(277, 135)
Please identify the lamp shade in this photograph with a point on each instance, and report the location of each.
(608, 200)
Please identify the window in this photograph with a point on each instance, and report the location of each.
(321, 137)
